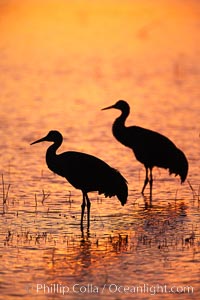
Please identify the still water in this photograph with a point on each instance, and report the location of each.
(60, 63)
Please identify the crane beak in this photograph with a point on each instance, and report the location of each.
(112, 106)
(38, 141)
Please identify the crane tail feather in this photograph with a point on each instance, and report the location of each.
(179, 166)
(121, 187)
(115, 185)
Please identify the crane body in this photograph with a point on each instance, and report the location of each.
(85, 172)
(151, 148)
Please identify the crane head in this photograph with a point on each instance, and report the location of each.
(52, 136)
(121, 105)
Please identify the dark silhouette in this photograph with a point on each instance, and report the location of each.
(85, 172)
(150, 147)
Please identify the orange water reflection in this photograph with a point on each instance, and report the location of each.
(60, 63)
(122, 257)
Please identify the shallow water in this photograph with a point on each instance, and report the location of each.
(60, 63)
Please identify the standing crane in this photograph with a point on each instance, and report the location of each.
(151, 148)
(85, 172)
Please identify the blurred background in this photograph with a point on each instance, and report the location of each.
(60, 63)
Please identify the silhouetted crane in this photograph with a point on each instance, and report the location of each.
(150, 148)
(85, 172)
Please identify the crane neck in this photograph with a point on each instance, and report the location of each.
(120, 121)
(51, 153)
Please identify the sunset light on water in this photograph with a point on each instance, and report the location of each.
(61, 62)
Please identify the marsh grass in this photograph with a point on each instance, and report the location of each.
(163, 229)
(43, 198)
(160, 226)
(128, 247)
(26, 238)
(5, 193)
(195, 194)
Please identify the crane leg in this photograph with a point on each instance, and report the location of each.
(145, 181)
(88, 211)
(82, 211)
(151, 184)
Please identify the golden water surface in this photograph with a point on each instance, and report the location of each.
(60, 63)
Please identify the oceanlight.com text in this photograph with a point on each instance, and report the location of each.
(109, 288)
